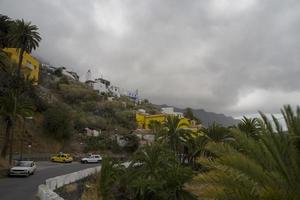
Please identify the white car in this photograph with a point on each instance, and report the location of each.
(92, 159)
(23, 168)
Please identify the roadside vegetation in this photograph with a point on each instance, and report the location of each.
(258, 159)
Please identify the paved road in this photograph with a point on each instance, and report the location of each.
(25, 188)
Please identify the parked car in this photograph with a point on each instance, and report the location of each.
(62, 157)
(92, 159)
(23, 168)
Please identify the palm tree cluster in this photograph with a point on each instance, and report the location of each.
(262, 162)
(14, 87)
(154, 173)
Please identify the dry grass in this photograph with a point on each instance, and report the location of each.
(91, 191)
(71, 187)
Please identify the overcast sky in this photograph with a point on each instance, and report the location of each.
(229, 56)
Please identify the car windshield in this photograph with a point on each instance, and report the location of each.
(24, 164)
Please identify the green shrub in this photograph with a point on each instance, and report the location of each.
(101, 142)
(58, 123)
(87, 120)
(132, 143)
(76, 93)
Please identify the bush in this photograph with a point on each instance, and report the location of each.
(132, 143)
(76, 93)
(101, 142)
(58, 123)
(85, 120)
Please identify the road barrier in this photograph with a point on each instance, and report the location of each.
(46, 191)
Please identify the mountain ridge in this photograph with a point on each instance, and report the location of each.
(207, 118)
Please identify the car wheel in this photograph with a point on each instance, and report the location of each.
(28, 174)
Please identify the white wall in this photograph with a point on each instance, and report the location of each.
(45, 191)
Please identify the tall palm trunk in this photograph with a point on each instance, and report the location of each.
(20, 61)
(6, 138)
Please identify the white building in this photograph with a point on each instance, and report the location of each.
(91, 132)
(170, 111)
(115, 91)
(100, 87)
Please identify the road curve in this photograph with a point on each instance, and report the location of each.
(25, 188)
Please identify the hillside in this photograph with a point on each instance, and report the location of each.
(208, 118)
(64, 109)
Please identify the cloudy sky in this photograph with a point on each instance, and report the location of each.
(229, 56)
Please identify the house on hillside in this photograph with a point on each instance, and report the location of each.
(91, 132)
(101, 85)
(144, 119)
(115, 91)
(170, 111)
(30, 65)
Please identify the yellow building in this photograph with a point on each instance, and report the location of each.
(143, 120)
(30, 65)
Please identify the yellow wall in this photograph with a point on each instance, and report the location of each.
(143, 120)
(30, 65)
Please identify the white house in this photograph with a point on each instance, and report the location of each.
(100, 86)
(91, 132)
(170, 111)
(115, 91)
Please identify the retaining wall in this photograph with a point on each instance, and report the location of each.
(46, 191)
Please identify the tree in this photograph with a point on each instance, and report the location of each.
(132, 142)
(152, 163)
(5, 23)
(173, 130)
(250, 126)
(194, 146)
(25, 37)
(155, 126)
(58, 123)
(12, 110)
(14, 103)
(110, 175)
(218, 133)
(266, 167)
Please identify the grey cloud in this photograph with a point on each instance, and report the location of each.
(205, 54)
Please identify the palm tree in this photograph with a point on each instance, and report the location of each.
(266, 167)
(155, 126)
(12, 110)
(13, 102)
(218, 133)
(4, 61)
(110, 173)
(5, 23)
(24, 37)
(155, 173)
(249, 126)
(194, 146)
(173, 131)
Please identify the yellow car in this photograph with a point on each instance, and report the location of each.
(63, 158)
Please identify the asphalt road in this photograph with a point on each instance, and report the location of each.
(25, 188)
